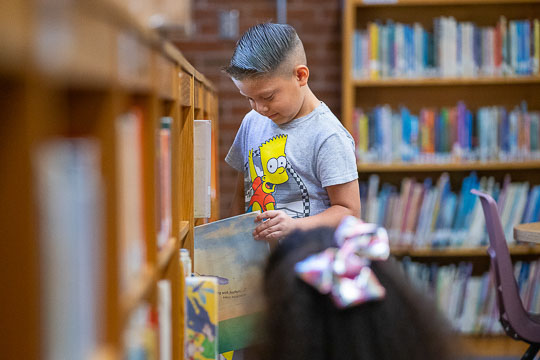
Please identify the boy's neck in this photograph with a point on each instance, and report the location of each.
(309, 104)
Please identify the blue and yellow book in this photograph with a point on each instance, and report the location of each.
(202, 317)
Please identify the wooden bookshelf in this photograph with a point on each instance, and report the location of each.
(499, 345)
(399, 3)
(482, 80)
(138, 291)
(104, 353)
(437, 92)
(184, 230)
(449, 167)
(462, 252)
(112, 62)
(167, 252)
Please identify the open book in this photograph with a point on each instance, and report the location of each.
(226, 249)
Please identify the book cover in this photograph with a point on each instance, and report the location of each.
(371, 203)
(536, 57)
(423, 218)
(529, 285)
(202, 171)
(416, 198)
(164, 181)
(165, 319)
(225, 249)
(69, 202)
(129, 160)
(202, 315)
(373, 51)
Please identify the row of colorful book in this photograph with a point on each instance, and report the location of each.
(71, 199)
(140, 337)
(447, 134)
(469, 301)
(431, 215)
(149, 328)
(148, 331)
(452, 49)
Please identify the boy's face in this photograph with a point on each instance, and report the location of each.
(278, 97)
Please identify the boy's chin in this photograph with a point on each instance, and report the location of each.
(279, 120)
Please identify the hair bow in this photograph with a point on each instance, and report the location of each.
(344, 272)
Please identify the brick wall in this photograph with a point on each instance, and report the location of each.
(318, 23)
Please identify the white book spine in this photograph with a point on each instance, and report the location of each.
(202, 156)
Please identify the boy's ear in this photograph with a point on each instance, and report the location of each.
(301, 72)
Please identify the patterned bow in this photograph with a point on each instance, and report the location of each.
(345, 272)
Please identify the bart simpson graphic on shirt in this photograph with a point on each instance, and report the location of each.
(273, 161)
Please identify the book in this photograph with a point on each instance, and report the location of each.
(468, 300)
(225, 249)
(202, 172)
(453, 48)
(165, 319)
(446, 134)
(164, 190)
(140, 336)
(202, 315)
(70, 192)
(427, 215)
(129, 158)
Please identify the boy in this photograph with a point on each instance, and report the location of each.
(293, 155)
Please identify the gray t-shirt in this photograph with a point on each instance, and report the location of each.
(291, 164)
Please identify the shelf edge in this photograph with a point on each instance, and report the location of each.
(462, 252)
(166, 253)
(454, 166)
(137, 291)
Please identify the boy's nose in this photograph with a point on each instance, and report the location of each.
(262, 109)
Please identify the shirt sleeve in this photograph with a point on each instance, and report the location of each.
(336, 162)
(235, 157)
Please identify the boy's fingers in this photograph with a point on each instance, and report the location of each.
(265, 225)
(270, 233)
(273, 236)
(268, 214)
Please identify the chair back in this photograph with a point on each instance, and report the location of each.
(513, 316)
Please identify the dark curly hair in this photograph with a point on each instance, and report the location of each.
(300, 323)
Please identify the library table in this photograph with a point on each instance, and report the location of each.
(528, 232)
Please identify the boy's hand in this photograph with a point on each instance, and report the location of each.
(275, 226)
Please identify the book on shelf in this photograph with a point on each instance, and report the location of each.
(165, 319)
(202, 317)
(451, 49)
(129, 160)
(423, 215)
(467, 300)
(202, 172)
(225, 249)
(140, 337)
(446, 135)
(164, 182)
(70, 204)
